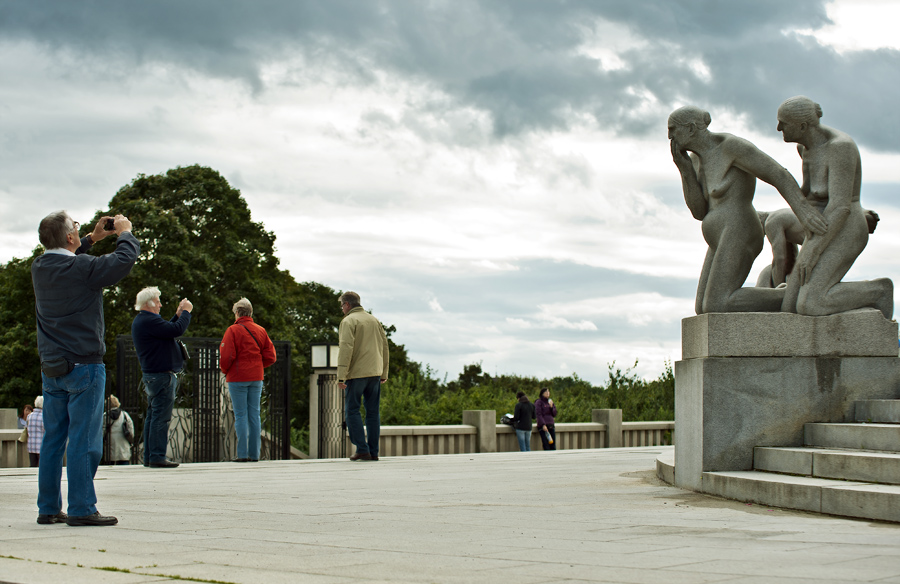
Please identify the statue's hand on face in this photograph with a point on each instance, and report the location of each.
(680, 156)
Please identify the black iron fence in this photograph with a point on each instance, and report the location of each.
(202, 426)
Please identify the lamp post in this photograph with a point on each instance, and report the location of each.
(326, 404)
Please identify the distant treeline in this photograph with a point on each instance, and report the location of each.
(417, 397)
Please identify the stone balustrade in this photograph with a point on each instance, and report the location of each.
(480, 433)
(12, 452)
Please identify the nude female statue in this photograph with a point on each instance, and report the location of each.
(832, 176)
(718, 176)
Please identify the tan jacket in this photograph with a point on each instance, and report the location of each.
(363, 347)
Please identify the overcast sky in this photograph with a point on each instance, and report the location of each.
(492, 177)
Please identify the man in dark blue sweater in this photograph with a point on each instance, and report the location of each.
(161, 362)
(68, 290)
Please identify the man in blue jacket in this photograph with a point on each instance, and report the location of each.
(161, 362)
(68, 289)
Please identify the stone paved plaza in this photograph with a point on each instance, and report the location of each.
(569, 516)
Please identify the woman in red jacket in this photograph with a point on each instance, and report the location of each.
(245, 351)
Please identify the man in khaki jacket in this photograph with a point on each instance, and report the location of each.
(362, 368)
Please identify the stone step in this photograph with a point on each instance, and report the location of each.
(828, 463)
(848, 499)
(855, 436)
(878, 411)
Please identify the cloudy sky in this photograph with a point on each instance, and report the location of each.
(492, 177)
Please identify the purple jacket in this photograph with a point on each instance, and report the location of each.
(544, 411)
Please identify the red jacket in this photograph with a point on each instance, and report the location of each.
(240, 358)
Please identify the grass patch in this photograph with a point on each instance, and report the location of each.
(127, 571)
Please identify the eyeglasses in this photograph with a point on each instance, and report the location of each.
(76, 224)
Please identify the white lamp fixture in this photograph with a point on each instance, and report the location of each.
(324, 355)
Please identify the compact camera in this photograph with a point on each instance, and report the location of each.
(110, 225)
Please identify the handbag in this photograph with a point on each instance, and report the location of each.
(184, 351)
(23, 437)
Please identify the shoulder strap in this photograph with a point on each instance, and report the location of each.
(252, 337)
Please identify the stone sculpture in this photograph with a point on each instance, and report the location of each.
(832, 175)
(785, 235)
(718, 176)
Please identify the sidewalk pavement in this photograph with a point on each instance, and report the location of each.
(554, 517)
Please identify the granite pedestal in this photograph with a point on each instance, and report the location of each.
(754, 379)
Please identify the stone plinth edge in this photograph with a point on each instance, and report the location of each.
(858, 333)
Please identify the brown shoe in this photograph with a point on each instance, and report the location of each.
(51, 519)
(361, 456)
(96, 519)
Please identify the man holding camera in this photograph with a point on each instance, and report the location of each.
(155, 340)
(68, 289)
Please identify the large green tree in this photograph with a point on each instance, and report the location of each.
(198, 241)
(20, 366)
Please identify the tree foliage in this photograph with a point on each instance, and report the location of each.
(20, 366)
(416, 397)
(198, 241)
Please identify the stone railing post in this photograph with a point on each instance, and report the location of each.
(613, 421)
(9, 418)
(485, 421)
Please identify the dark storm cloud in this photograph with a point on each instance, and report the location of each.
(517, 60)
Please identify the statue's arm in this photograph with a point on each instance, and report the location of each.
(775, 233)
(690, 184)
(751, 159)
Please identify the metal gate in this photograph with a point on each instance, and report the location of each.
(331, 417)
(202, 426)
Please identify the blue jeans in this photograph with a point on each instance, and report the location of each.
(73, 412)
(245, 400)
(368, 391)
(160, 389)
(524, 437)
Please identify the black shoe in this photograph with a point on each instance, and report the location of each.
(374, 458)
(50, 519)
(254, 460)
(241, 460)
(89, 520)
(163, 464)
(361, 456)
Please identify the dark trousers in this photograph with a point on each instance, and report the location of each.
(363, 391)
(544, 442)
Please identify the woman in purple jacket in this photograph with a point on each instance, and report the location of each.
(545, 412)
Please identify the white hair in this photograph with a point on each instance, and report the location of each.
(242, 308)
(145, 296)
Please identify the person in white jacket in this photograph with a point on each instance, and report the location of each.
(120, 429)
